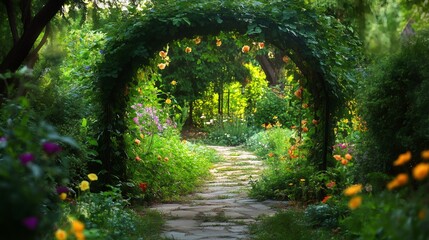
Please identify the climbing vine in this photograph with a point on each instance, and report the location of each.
(324, 50)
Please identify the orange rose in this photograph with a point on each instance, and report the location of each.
(245, 49)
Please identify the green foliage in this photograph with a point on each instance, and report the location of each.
(394, 106)
(272, 109)
(229, 132)
(323, 215)
(290, 225)
(31, 167)
(107, 215)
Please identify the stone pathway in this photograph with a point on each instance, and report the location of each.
(221, 208)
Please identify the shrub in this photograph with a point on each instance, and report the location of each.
(230, 132)
(31, 168)
(394, 103)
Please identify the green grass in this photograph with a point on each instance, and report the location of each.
(287, 225)
(149, 225)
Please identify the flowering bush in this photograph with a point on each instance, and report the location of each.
(31, 171)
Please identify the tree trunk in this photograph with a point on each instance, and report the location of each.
(21, 49)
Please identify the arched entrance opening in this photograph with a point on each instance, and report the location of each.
(321, 47)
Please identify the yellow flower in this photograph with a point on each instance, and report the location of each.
(353, 189)
(168, 101)
(92, 177)
(162, 66)
(302, 179)
(398, 181)
(188, 50)
(136, 141)
(348, 156)
(402, 158)
(355, 202)
(163, 54)
(173, 82)
(63, 196)
(60, 234)
(275, 117)
(77, 226)
(425, 155)
(218, 42)
(141, 135)
(269, 126)
(197, 40)
(421, 171)
(84, 185)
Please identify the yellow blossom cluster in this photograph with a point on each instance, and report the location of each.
(84, 185)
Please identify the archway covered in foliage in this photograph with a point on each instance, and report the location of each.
(321, 47)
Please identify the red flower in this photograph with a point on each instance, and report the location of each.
(331, 184)
(326, 198)
(143, 186)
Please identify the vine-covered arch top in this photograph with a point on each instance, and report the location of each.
(318, 44)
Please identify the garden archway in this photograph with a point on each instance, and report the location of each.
(319, 45)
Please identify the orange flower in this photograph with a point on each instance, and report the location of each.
(293, 127)
(166, 159)
(425, 155)
(218, 42)
(270, 154)
(136, 141)
(326, 198)
(355, 202)
(337, 157)
(138, 158)
(402, 159)
(305, 105)
(353, 190)
(348, 156)
(285, 59)
(305, 129)
(261, 45)
(163, 54)
(79, 236)
(298, 93)
(60, 234)
(398, 181)
(197, 40)
(421, 171)
(162, 66)
(77, 226)
(245, 49)
(188, 50)
(315, 122)
(304, 122)
(422, 214)
(344, 161)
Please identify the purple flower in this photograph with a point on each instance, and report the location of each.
(3, 139)
(136, 120)
(30, 222)
(25, 158)
(62, 189)
(51, 148)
